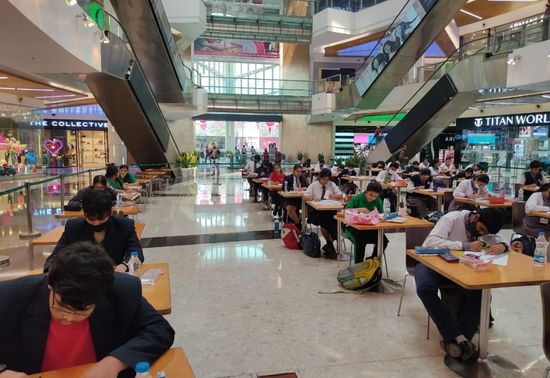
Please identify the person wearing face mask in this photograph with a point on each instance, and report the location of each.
(468, 231)
(117, 235)
(472, 188)
(81, 312)
(365, 202)
(539, 201)
(387, 176)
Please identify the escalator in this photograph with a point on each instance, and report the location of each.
(123, 93)
(462, 81)
(149, 33)
(412, 31)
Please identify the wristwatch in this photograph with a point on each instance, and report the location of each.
(3, 368)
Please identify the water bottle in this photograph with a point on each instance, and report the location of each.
(520, 193)
(387, 206)
(118, 202)
(539, 258)
(277, 226)
(142, 370)
(134, 264)
(285, 186)
(501, 193)
(402, 209)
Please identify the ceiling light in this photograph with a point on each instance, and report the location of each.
(5, 77)
(7, 88)
(71, 2)
(3, 114)
(471, 14)
(35, 89)
(57, 96)
(545, 96)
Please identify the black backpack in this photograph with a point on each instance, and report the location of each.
(311, 245)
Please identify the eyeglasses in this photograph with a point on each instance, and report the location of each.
(59, 308)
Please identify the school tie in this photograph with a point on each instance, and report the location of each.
(323, 192)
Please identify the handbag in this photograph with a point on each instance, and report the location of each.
(311, 245)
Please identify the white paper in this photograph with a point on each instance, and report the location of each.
(329, 203)
(494, 259)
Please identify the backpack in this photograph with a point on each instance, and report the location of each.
(291, 236)
(528, 243)
(364, 275)
(311, 245)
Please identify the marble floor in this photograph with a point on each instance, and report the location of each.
(242, 309)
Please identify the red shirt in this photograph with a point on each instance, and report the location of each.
(274, 177)
(68, 345)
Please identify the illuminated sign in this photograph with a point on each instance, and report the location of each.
(513, 120)
(73, 124)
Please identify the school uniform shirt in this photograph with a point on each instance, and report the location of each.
(293, 182)
(467, 189)
(435, 171)
(447, 167)
(533, 225)
(423, 166)
(416, 182)
(537, 202)
(251, 166)
(393, 176)
(450, 232)
(527, 178)
(315, 190)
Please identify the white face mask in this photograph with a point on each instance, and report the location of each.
(391, 172)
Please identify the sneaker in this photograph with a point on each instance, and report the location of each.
(469, 351)
(451, 348)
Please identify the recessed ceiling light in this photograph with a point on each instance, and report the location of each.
(57, 96)
(4, 77)
(35, 89)
(471, 14)
(7, 88)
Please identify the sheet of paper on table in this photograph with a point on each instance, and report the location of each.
(328, 203)
(494, 259)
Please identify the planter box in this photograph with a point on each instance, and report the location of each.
(187, 174)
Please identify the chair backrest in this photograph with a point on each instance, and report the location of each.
(545, 295)
(413, 238)
(518, 214)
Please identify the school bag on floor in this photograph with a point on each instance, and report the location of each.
(364, 275)
(290, 234)
(311, 245)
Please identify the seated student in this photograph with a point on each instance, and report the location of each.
(414, 167)
(532, 178)
(448, 167)
(113, 179)
(379, 165)
(264, 171)
(295, 181)
(459, 230)
(276, 177)
(98, 183)
(387, 176)
(420, 204)
(435, 167)
(117, 235)
(347, 186)
(322, 189)
(472, 188)
(425, 164)
(468, 173)
(126, 176)
(320, 165)
(81, 312)
(538, 201)
(250, 169)
(367, 201)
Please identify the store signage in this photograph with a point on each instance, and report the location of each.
(53, 145)
(71, 124)
(515, 120)
(45, 211)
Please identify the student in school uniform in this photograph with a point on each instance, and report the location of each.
(385, 177)
(459, 230)
(295, 182)
(367, 201)
(420, 204)
(532, 178)
(324, 189)
(472, 188)
(538, 201)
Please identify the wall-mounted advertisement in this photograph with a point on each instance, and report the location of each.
(235, 49)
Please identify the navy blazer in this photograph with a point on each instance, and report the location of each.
(123, 324)
(290, 182)
(120, 238)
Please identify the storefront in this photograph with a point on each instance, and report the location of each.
(505, 140)
(74, 143)
(20, 144)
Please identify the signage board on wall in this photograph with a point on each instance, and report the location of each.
(72, 124)
(510, 120)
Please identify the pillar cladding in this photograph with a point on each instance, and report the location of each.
(183, 131)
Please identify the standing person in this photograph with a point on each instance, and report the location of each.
(472, 188)
(365, 202)
(420, 204)
(117, 235)
(252, 151)
(81, 312)
(386, 177)
(243, 154)
(207, 155)
(532, 179)
(215, 158)
(266, 155)
(468, 231)
(125, 175)
(295, 182)
(276, 177)
(539, 201)
(319, 190)
(278, 156)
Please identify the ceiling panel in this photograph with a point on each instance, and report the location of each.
(487, 9)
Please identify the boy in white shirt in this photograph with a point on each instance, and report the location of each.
(385, 177)
(472, 188)
(538, 201)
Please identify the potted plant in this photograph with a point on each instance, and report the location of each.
(187, 163)
(321, 158)
(300, 156)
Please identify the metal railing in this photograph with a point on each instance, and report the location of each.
(266, 8)
(347, 5)
(257, 86)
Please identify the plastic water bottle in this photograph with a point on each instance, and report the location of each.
(134, 264)
(520, 194)
(285, 186)
(387, 206)
(118, 202)
(402, 209)
(142, 370)
(539, 258)
(277, 226)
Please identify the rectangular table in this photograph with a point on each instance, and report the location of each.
(518, 272)
(539, 214)
(477, 202)
(398, 185)
(359, 179)
(174, 363)
(437, 195)
(319, 206)
(125, 210)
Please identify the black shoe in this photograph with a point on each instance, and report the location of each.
(451, 348)
(329, 252)
(469, 351)
(325, 247)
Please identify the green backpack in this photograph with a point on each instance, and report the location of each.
(361, 276)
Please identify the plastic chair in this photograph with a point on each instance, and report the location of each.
(518, 214)
(545, 296)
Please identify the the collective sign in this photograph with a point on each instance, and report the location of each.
(235, 49)
(511, 120)
(72, 124)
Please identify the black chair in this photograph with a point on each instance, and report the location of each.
(545, 296)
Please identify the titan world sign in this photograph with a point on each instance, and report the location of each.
(514, 120)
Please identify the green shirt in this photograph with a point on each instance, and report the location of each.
(130, 178)
(116, 184)
(359, 201)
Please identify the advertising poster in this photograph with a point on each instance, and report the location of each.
(235, 49)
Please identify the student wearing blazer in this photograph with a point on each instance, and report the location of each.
(81, 312)
(117, 235)
(295, 181)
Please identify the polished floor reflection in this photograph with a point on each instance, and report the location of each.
(252, 307)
